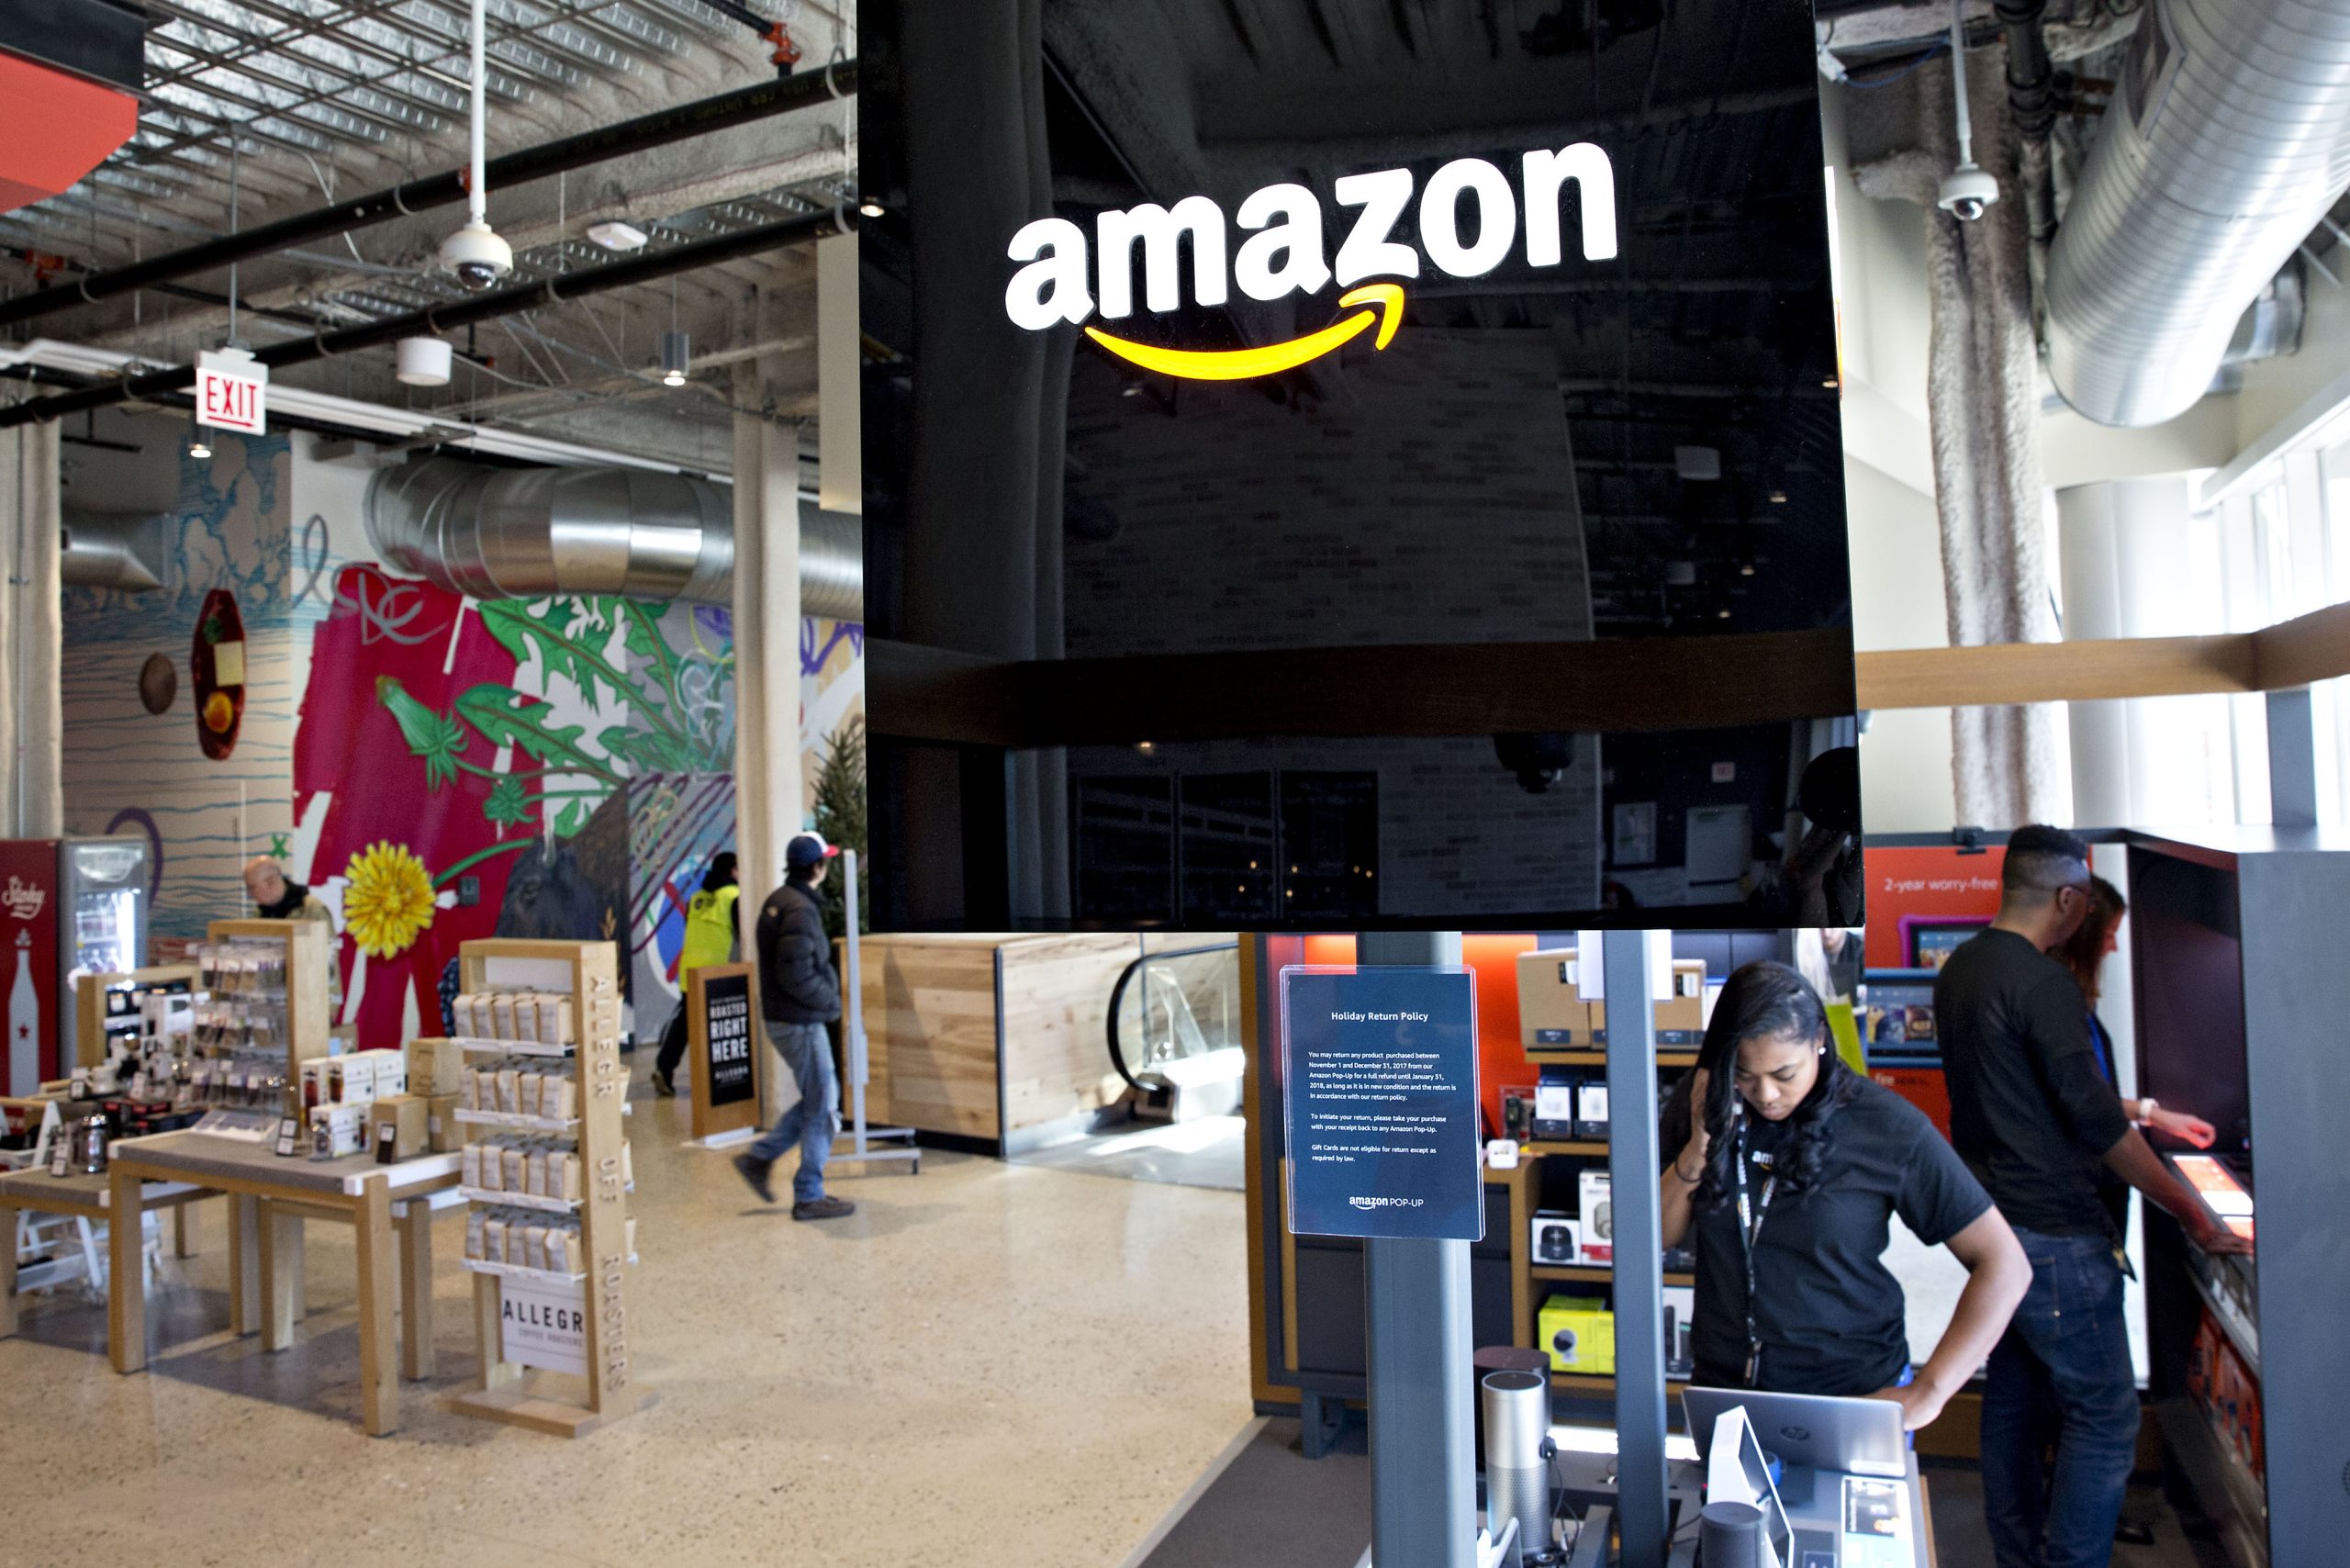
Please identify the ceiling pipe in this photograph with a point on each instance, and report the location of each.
(700, 117)
(645, 267)
(2031, 99)
(2227, 143)
(537, 533)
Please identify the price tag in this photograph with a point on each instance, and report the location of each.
(289, 1136)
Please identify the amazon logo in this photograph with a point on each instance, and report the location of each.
(1469, 217)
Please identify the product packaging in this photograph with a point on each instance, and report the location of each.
(1597, 1217)
(1579, 1334)
(1591, 1110)
(338, 1130)
(442, 1131)
(502, 1016)
(401, 1123)
(1549, 1012)
(435, 1065)
(387, 1071)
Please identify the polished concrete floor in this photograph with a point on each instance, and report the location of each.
(989, 1364)
(1210, 1153)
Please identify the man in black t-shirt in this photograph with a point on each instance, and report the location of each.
(2034, 1118)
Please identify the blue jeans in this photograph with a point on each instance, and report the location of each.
(2061, 1375)
(807, 1053)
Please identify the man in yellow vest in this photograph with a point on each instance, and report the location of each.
(710, 939)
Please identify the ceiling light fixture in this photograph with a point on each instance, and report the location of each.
(197, 445)
(869, 207)
(423, 361)
(1778, 497)
(677, 358)
(614, 235)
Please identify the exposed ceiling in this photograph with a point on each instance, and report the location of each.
(258, 110)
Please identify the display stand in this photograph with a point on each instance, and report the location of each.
(575, 1378)
(308, 951)
(724, 1050)
(93, 1025)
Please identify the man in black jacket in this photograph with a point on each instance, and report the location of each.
(798, 995)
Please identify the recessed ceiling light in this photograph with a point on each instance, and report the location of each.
(1778, 497)
(614, 235)
(1721, 614)
(869, 208)
(1746, 571)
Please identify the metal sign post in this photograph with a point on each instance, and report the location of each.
(862, 1142)
(1632, 1167)
(1415, 1312)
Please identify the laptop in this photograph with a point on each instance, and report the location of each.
(1860, 1437)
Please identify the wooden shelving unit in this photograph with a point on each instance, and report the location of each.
(309, 952)
(541, 1397)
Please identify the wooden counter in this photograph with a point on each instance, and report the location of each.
(993, 1037)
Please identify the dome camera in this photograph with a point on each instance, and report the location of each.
(476, 256)
(1967, 192)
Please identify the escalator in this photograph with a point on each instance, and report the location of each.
(1172, 1037)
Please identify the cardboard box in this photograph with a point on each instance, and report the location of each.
(401, 1123)
(1579, 1334)
(1597, 1215)
(389, 1070)
(442, 1133)
(1679, 1019)
(352, 1078)
(435, 1065)
(1549, 1009)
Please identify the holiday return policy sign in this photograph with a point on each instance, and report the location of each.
(1381, 1086)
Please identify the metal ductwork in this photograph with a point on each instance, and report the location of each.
(111, 550)
(2228, 140)
(536, 533)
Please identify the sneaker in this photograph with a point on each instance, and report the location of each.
(662, 1087)
(754, 1171)
(824, 1208)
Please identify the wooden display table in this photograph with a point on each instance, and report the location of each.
(390, 1206)
(83, 1197)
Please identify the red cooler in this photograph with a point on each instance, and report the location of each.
(66, 906)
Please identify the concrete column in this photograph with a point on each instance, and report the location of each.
(2124, 544)
(32, 803)
(769, 791)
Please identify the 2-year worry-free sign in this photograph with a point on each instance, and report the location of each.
(1381, 1089)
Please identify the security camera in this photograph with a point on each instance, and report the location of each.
(478, 256)
(1538, 760)
(1967, 192)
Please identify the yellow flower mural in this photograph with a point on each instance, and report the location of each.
(390, 900)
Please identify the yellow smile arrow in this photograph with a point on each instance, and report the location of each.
(1240, 364)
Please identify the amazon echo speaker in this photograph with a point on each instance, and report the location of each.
(1518, 1472)
(1730, 1535)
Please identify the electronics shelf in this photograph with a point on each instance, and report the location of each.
(2216, 1474)
(1560, 1056)
(2240, 1334)
(1588, 1382)
(1581, 1146)
(1594, 1274)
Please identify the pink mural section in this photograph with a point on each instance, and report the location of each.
(402, 826)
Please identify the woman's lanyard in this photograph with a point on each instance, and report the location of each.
(1750, 1232)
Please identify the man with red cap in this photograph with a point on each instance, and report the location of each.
(798, 994)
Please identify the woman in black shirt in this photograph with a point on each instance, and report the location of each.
(1784, 1180)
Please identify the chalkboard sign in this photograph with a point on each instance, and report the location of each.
(723, 1033)
(1380, 1068)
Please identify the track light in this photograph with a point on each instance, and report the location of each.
(677, 358)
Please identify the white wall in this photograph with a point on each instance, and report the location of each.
(2275, 389)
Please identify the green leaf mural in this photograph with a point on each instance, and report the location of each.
(436, 737)
(506, 717)
(509, 803)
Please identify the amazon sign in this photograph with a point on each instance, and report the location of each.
(1468, 220)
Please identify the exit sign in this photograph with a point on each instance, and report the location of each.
(232, 391)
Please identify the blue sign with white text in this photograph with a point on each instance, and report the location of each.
(1380, 1080)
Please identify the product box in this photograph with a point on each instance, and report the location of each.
(352, 1077)
(1552, 1242)
(337, 1130)
(1554, 1106)
(441, 1131)
(1549, 1011)
(1680, 1335)
(1597, 1216)
(402, 1127)
(1518, 1112)
(435, 1065)
(1579, 1334)
(1591, 1110)
(317, 1081)
(1679, 1019)
(389, 1071)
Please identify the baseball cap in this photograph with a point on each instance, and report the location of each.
(806, 850)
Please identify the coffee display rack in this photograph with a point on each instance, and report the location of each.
(555, 1343)
(276, 1008)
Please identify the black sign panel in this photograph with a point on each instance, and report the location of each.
(1323, 463)
(726, 1026)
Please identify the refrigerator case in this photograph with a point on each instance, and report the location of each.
(66, 905)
